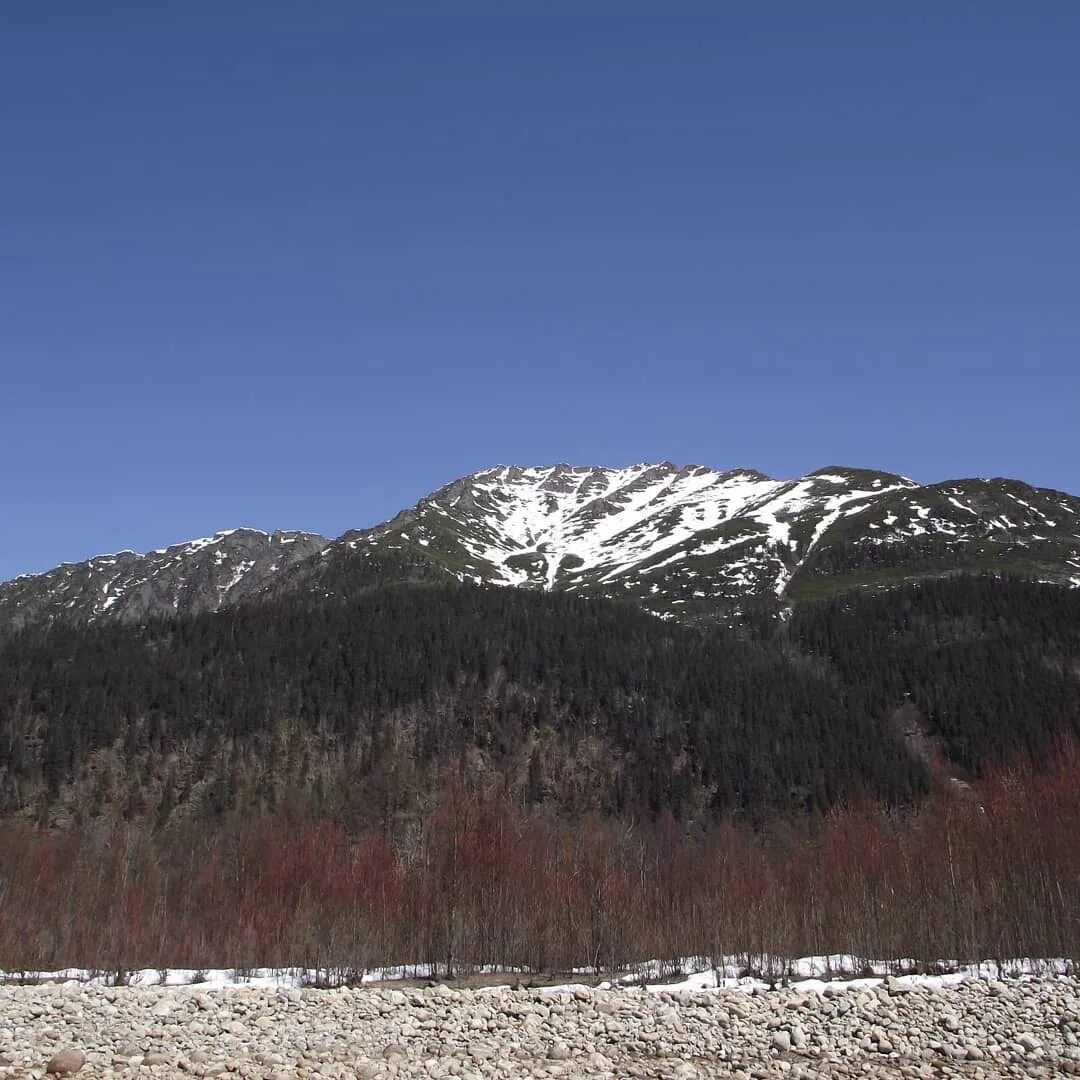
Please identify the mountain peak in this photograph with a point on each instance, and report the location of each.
(687, 542)
(675, 539)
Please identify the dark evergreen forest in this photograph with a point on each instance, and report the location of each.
(361, 708)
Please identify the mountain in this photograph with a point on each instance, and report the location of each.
(695, 544)
(200, 575)
(363, 711)
(687, 543)
(249, 671)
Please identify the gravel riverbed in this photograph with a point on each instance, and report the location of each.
(977, 1028)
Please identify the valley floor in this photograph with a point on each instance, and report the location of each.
(919, 1028)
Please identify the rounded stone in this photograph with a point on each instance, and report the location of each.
(781, 1041)
(66, 1062)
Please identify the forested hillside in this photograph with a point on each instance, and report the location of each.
(990, 664)
(359, 709)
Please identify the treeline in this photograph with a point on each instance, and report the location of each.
(993, 872)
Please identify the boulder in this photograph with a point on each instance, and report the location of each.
(66, 1063)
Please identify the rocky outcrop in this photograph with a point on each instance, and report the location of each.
(200, 575)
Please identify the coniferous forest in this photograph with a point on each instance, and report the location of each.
(681, 790)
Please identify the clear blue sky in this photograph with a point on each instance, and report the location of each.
(296, 264)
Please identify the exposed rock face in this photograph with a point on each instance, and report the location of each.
(200, 575)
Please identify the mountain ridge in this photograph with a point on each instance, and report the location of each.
(688, 542)
(191, 576)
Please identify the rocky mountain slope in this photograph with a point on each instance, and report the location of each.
(690, 543)
(200, 575)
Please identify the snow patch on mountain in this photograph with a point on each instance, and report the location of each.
(585, 527)
(197, 575)
(691, 540)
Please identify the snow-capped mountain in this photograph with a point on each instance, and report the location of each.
(200, 575)
(605, 530)
(690, 543)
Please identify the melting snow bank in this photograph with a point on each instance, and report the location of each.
(809, 973)
(814, 973)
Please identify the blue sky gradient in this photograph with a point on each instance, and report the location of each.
(295, 265)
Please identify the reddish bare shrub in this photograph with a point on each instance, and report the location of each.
(990, 872)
